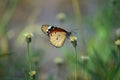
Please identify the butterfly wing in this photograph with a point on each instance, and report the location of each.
(44, 28)
(57, 38)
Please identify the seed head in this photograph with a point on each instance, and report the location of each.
(61, 17)
(117, 43)
(32, 74)
(73, 40)
(28, 37)
(58, 60)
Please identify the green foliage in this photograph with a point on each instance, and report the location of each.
(116, 12)
(50, 77)
(7, 16)
(103, 70)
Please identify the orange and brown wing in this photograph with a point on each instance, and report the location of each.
(57, 38)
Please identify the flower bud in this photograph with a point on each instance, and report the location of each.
(28, 37)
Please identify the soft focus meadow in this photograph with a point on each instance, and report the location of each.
(26, 53)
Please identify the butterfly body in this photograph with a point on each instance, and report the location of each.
(57, 36)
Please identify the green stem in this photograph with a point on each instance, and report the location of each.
(118, 54)
(75, 63)
(29, 59)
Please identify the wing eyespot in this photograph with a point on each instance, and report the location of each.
(50, 34)
(56, 38)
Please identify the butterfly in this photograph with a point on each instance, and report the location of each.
(57, 36)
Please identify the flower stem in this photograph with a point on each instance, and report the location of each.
(75, 63)
(29, 59)
(118, 54)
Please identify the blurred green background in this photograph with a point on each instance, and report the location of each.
(96, 23)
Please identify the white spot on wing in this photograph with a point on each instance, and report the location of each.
(48, 28)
